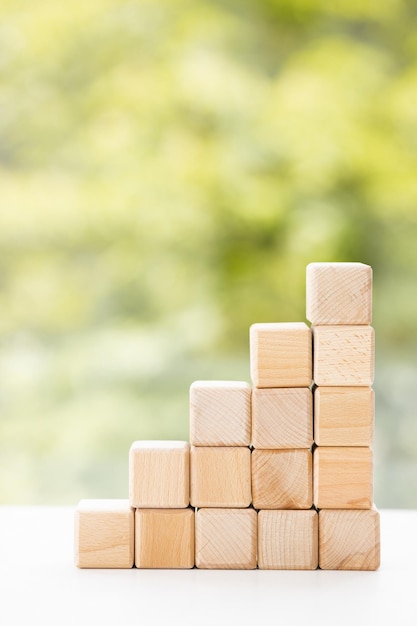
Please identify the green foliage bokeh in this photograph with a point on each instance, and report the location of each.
(167, 170)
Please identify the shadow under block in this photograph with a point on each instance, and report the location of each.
(226, 538)
(343, 356)
(288, 540)
(220, 477)
(159, 474)
(339, 293)
(281, 355)
(164, 538)
(349, 540)
(282, 418)
(343, 478)
(344, 416)
(282, 479)
(220, 413)
(104, 534)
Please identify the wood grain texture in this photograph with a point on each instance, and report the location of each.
(349, 540)
(220, 477)
(288, 540)
(344, 416)
(164, 538)
(343, 356)
(282, 418)
(343, 478)
(226, 538)
(104, 534)
(159, 474)
(282, 479)
(220, 413)
(281, 355)
(339, 293)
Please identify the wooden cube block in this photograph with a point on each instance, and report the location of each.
(282, 479)
(343, 478)
(343, 356)
(281, 355)
(220, 413)
(104, 534)
(159, 474)
(226, 538)
(220, 477)
(349, 540)
(339, 293)
(288, 539)
(282, 418)
(343, 416)
(164, 538)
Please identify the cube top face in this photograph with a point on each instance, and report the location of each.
(282, 418)
(159, 474)
(281, 355)
(220, 413)
(344, 416)
(282, 479)
(343, 356)
(164, 538)
(288, 540)
(339, 293)
(220, 477)
(343, 478)
(104, 534)
(349, 540)
(226, 538)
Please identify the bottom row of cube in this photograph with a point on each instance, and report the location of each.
(110, 534)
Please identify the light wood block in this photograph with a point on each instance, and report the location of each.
(288, 540)
(343, 478)
(226, 538)
(343, 356)
(281, 355)
(349, 540)
(339, 293)
(282, 418)
(104, 534)
(344, 416)
(220, 413)
(164, 538)
(159, 474)
(282, 479)
(220, 477)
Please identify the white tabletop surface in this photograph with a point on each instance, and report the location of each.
(40, 585)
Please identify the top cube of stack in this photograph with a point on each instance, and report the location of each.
(339, 293)
(281, 354)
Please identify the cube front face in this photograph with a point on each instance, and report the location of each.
(164, 538)
(220, 477)
(220, 413)
(104, 534)
(281, 355)
(159, 474)
(282, 479)
(344, 416)
(288, 540)
(282, 418)
(339, 293)
(349, 540)
(343, 478)
(343, 356)
(226, 538)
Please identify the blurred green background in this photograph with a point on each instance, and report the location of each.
(167, 170)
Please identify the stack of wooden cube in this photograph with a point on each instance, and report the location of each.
(241, 494)
(339, 307)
